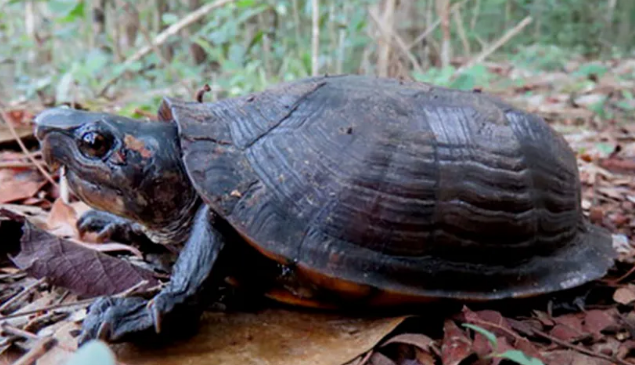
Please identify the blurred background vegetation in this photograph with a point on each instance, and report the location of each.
(85, 50)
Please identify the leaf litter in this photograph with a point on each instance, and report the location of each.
(49, 273)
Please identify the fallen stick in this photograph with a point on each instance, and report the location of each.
(162, 37)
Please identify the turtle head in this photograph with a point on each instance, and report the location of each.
(124, 166)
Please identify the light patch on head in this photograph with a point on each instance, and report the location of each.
(138, 145)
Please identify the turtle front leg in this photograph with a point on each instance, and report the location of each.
(108, 227)
(181, 302)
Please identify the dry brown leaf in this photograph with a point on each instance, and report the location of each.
(570, 357)
(625, 294)
(18, 184)
(456, 345)
(568, 327)
(72, 266)
(269, 337)
(596, 321)
(7, 136)
(418, 340)
(62, 220)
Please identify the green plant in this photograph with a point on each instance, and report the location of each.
(516, 356)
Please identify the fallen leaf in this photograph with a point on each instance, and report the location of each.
(72, 266)
(456, 345)
(380, 359)
(62, 220)
(424, 358)
(418, 340)
(271, 337)
(568, 327)
(625, 294)
(18, 184)
(596, 321)
(619, 165)
(6, 136)
(570, 357)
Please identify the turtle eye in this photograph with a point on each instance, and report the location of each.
(94, 144)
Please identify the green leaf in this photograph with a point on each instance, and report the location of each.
(463, 82)
(169, 18)
(76, 13)
(489, 335)
(519, 357)
(62, 8)
(245, 3)
(591, 69)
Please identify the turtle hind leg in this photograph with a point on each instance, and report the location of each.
(178, 305)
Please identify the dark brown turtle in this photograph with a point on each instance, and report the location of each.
(364, 190)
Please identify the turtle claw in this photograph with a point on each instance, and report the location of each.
(125, 319)
(116, 320)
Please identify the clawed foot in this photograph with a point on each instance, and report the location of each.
(129, 319)
(108, 227)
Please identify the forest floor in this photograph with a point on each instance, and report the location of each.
(47, 270)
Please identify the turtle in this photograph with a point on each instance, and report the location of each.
(358, 189)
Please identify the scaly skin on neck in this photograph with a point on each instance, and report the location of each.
(126, 167)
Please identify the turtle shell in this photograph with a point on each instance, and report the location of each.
(398, 186)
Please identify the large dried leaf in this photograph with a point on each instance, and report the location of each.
(6, 135)
(456, 345)
(18, 184)
(269, 337)
(73, 266)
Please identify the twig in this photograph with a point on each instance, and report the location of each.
(6, 328)
(37, 351)
(497, 326)
(146, 36)
(24, 149)
(493, 47)
(15, 164)
(580, 349)
(162, 37)
(85, 302)
(385, 25)
(315, 38)
(458, 19)
(434, 26)
(21, 295)
(398, 40)
(475, 14)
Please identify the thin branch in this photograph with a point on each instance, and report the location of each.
(315, 38)
(385, 25)
(458, 19)
(21, 294)
(37, 351)
(434, 26)
(400, 42)
(496, 45)
(146, 35)
(580, 349)
(24, 149)
(162, 37)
